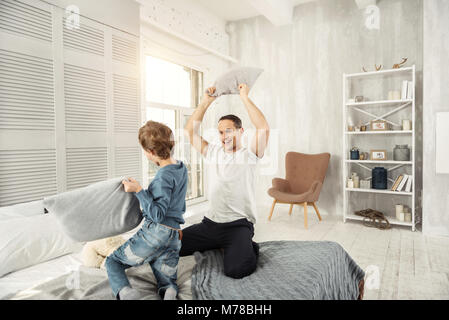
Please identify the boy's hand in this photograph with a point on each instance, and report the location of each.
(244, 90)
(207, 99)
(131, 185)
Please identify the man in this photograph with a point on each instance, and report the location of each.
(229, 224)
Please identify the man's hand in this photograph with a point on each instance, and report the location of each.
(244, 91)
(131, 185)
(207, 99)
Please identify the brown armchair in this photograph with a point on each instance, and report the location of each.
(302, 185)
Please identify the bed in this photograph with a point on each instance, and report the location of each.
(44, 264)
(65, 278)
(29, 277)
(201, 277)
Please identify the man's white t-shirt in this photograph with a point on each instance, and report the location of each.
(231, 184)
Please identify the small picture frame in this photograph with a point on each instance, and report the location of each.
(379, 155)
(379, 125)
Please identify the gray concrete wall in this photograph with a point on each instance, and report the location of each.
(436, 99)
(300, 91)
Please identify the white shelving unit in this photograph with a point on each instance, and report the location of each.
(385, 110)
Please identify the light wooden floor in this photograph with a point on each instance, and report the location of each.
(410, 265)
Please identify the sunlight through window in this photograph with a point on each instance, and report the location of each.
(172, 93)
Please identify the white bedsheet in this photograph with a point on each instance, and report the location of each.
(37, 274)
(32, 276)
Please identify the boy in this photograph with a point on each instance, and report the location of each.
(159, 240)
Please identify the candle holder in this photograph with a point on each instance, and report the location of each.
(350, 183)
(406, 125)
(399, 210)
(356, 180)
(358, 99)
(408, 216)
(355, 155)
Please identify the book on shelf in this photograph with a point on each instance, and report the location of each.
(396, 183)
(402, 184)
(407, 90)
(410, 90)
(404, 90)
(408, 187)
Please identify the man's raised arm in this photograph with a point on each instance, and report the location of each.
(260, 139)
(193, 125)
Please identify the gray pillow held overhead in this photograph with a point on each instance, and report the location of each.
(229, 82)
(98, 211)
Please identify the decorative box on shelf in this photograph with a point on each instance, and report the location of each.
(365, 184)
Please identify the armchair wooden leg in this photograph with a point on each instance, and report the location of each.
(316, 210)
(291, 208)
(272, 208)
(305, 215)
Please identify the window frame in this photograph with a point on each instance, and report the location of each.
(180, 112)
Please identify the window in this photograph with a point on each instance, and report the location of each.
(171, 93)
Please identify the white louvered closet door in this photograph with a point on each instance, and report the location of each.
(69, 102)
(27, 108)
(102, 109)
(126, 105)
(86, 103)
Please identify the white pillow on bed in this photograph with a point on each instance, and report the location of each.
(27, 241)
(27, 209)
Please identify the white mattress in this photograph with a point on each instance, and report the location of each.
(32, 276)
(42, 272)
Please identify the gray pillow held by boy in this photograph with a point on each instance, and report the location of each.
(98, 211)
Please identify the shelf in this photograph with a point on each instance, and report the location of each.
(380, 108)
(379, 132)
(379, 73)
(399, 193)
(384, 102)
(379, 161)
(391, 220)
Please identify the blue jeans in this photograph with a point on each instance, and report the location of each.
(154, 244)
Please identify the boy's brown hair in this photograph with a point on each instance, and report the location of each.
(158, 138)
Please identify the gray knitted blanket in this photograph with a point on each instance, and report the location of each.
(287, 270)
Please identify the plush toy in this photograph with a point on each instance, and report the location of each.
(94, 253)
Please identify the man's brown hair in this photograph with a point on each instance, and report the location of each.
(237, 121)
(158, 138)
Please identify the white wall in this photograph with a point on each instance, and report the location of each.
(436, 99)
(300, 91)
